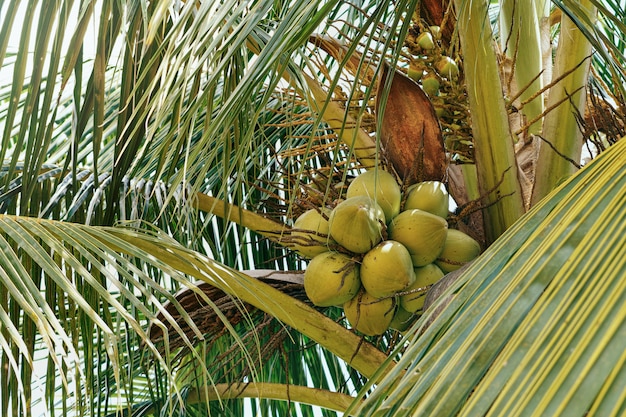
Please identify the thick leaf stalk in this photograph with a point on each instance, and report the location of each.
(246, 218)
(494, 154)
(520, 33)
(562, 145)
(287, 392)
(362, 356)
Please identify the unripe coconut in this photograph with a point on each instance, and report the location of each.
(311, 234)
(425, 276)
(446, 67)
(423, 234)
(458, 249)
(331, 279)
(357, 224)
(425, 40)
(415, 73)
(402, 319)
(440, 108)
(430, 196)
(387, 269)
(381, 187)
(369, 315)
(430, 84)
(436, 31)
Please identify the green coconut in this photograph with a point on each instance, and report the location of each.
(430, 84)
(402, 319)
(387, 269)
(311, 233)
(421, 232)
(415, 73)
(436, 31)
(415, 295)
(369, 315)
(430, 196)
(458, 250)
(357, 224)
(381, 187)
(331, 279)
(446, 67)
(425, 40)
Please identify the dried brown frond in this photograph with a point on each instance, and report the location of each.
(604, 121)
(205, 317)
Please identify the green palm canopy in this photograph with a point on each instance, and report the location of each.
(155, 156)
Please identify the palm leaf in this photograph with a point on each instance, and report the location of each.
(103, 291)
(607, 38)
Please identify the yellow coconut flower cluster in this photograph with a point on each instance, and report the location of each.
(376, 260)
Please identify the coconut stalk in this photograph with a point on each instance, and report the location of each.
(561, 149)
(346, 127)
(521, 39)
(493, 141)
(260, 224)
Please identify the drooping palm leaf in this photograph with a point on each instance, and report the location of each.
(103, 299)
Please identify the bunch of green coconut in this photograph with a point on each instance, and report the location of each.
(429, 66)
(376, 253)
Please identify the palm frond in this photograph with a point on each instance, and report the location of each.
(115, 277)
(606, 37)
(74, 303)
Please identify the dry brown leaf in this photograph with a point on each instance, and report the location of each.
(410, 132)
(203, 314)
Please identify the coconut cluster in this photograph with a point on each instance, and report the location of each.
(378, 251)
(429, 66)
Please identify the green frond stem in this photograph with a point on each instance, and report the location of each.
(264, 390)
(359, 354)
(494, 154)
(521, 38)
(246, 218)
(471, 182)
(561, 126)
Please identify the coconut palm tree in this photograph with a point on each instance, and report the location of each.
(155, 156)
